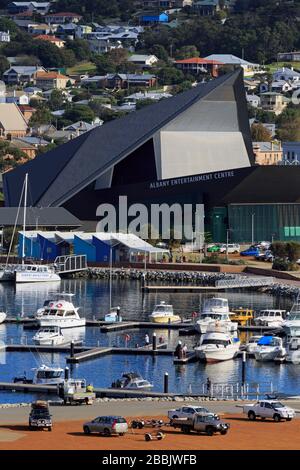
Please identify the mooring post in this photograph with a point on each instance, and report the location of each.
(67, 373)
(72, 349)
(244, 359)
(154, 342)
(166, 382)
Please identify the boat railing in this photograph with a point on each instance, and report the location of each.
(245, 281)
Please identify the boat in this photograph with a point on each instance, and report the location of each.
(61, 313)
(270, 317)
(241, 315)
(113, 316)
(132, 381)
(2, 317)
(251, 345)
(293, 350)
(291, 326)
(49, 336)
(269, 348)
(215, 309)
(217, 345)
(163, 313)
(46, 375)
(35, 273)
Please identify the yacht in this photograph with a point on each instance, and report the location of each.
(113, 316)
(291, 326)
(215, 310)
(217, 345)
(293, 350)
(46, 375)
(49, 336)
(132, 381)
(271, 317)
(269, 348)
(2, 317)
(251, 346)
(61, 313)
(163, 313)
(36, 273)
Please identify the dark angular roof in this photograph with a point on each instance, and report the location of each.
(58, 175)
(43, 217)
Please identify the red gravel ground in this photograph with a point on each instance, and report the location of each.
(243, 434)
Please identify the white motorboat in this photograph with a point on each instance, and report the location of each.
(251, 346)
(293, 350)
(217, 345)
(49, 336)
(132, 381)
(7, 275)
(113, 316)
(36, 273)
(61, 313)
(291, 326)
(269, 348)
(270, 317)
(2, 317)
(164, 313)
(46, 375)
(215, 309)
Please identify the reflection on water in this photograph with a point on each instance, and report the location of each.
(93, 298)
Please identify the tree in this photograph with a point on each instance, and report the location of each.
(4, 64)
(41, 116)
(56, 100)
(170, 76)
(186, 52)
(79, 113)
(260, 133)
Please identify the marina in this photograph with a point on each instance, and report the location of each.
(115, 347)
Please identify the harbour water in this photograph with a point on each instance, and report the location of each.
(93, 297)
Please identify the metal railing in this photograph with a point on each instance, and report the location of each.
(245, 281)
(70, 263)
(235, 390)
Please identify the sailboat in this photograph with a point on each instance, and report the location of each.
(32, 272)
(113, 316)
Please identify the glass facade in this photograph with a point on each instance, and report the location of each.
(264, 222)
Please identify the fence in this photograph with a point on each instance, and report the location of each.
(236, 390)
(71, 263)
(245, 281)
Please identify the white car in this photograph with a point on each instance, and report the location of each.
(186, 412)
(232, 248)
(269, 409)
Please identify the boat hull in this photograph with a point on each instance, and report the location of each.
(211, 355)
(24, 277)
(173, 319)
(2, 317)
(62, 324)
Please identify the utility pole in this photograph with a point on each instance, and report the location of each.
(252, 228)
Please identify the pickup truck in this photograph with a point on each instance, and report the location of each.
(75, 392)
(204, 422)
(269, 409)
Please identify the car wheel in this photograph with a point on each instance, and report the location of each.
(106, 432)
(140, 425)
(186, 429)
(49, 429)
(174, 417)
(252, 416)
(122, 434)
(277, 418)
(86, 430)
(289, 419)
(209, 431)
(224, 432)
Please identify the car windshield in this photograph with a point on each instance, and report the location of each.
(277, 404)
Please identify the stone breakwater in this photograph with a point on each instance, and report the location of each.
(168, 277)
(282, 290)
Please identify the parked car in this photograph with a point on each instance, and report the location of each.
(201, 422)
(213, 248)
(269, 409)
(251, 251)
(263, 245)
(265, 256)
(232, 248)
(107, 425)
(40, 417)
(186, 411)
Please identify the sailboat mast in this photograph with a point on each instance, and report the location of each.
(24, 217)
(110, 275)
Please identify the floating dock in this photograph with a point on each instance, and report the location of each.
(190, 357)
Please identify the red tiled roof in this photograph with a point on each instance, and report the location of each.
(198, 60)
(26, 107)
(47, 37)
(50, 76)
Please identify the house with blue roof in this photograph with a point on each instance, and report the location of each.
(154, 19)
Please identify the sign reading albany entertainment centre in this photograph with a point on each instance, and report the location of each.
(192, 179)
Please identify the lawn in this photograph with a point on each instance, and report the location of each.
(81, 68)
(276, 65)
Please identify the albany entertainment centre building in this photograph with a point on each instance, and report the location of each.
(193, 148)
